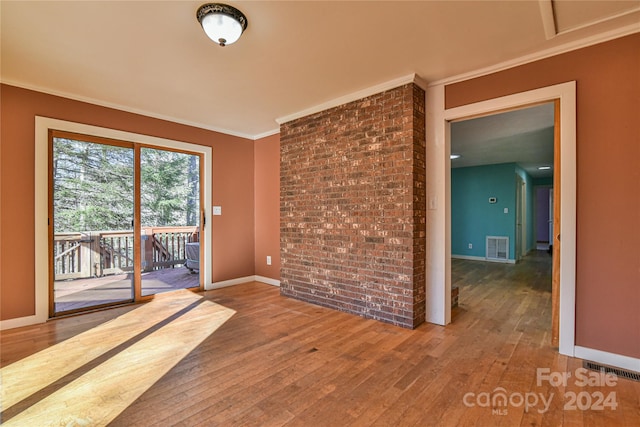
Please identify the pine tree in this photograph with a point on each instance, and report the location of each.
(93, 187)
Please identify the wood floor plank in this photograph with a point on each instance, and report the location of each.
(281, 362)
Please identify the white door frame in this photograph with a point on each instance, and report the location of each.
(438, 132)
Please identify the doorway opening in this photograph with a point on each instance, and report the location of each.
(497, 161)
(438, 301)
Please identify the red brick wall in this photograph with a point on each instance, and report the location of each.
(352, 207)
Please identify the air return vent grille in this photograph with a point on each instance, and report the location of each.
(620, 373)
(497, 248)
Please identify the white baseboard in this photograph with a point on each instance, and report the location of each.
(241, 280)
(606, 358)
(481, 258)
(231, 282)
(468, 257)
(19, 322)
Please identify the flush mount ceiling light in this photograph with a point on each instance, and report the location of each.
(223, 24)
(454, 156)
(544, 168)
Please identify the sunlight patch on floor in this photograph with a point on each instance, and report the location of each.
(19, 380)
(100, 394)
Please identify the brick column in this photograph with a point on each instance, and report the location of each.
(352, 203)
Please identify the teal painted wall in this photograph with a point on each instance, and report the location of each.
(473, 217)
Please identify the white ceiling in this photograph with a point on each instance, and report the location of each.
(522, 136)
(152, 57)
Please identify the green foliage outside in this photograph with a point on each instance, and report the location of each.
(94, 187)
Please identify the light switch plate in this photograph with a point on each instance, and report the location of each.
(433, 203)
(217, 210)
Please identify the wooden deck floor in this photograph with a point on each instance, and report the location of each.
(83, 293)
(244, 355)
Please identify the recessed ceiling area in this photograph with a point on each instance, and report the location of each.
(570, 15)
(522, 136)
(154, 59)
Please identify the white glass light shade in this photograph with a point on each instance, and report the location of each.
(222, 23)
(222, 29)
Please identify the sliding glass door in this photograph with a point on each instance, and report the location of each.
(124, 221)
(170, 219)
(92, 210)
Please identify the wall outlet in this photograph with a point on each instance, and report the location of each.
(470, 245)
(268, 260)
(217, 210)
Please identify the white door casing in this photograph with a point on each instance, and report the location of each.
(438, 138)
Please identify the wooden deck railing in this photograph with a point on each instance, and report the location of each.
(166, 246)
(99, 253)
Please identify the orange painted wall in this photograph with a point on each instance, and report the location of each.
(267, 202)
(233, 181)
(608, 180)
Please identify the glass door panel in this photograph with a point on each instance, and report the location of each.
(92, 212)
(170, 219)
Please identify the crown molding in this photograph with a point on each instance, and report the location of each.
(266, 134)
(354, 96)
(124, 108)
(543, 54)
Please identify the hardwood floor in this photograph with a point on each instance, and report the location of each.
(244, 355)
